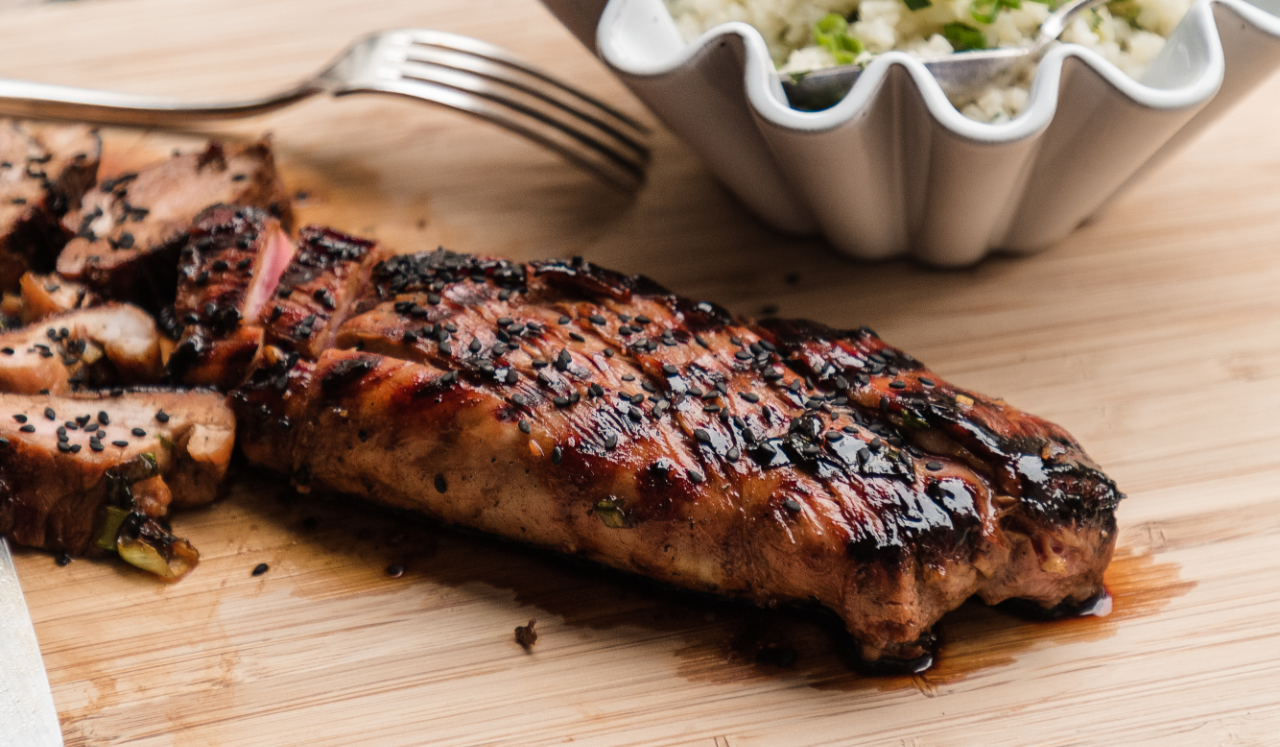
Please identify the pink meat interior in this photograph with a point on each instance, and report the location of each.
(274, 258)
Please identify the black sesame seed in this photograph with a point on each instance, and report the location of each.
(611, 441)
(433, 298)
(64, 447)
(933, 466)
(138, 432)
(560, 401)
(63, 560)
(96, 445)
(564, 320)
(557, 454)
(926, 382)
(20, 418)
(260, 569)
(395, 570)
(525, 428)
(6, 351)
(446, 348)
(897, 384)
(696, 477)
(833, 436)
(608, 353)
(791, 505)
(597, 319)
(635, 414)
(28, 429)
(50, 414)
(643, 319)
(75, 449)
(702, 436)
(441, 484)
(512, 376)
(121, 444)
(474, 346)
(751, 397)
(103, 418)
(162, 416)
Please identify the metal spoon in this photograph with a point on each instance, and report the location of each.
(959, 74)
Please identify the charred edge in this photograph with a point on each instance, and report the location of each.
(347, 372)
(581, 278)
(426, 272)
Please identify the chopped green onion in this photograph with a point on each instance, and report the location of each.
(108, 534)
(832, 32)
(964, 37)
(917, 4)
(610, 512)
(985, 11)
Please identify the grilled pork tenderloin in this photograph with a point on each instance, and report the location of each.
(598, 414)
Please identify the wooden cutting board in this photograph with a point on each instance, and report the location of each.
(1153, 334)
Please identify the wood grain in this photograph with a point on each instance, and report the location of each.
(1152, 333)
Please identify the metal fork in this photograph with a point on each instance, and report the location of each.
(455, 71)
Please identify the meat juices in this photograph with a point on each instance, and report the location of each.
(598, 414)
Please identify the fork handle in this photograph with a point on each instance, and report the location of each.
(26, 99)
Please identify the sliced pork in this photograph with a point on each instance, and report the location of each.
(229, 271)
(103, 470)
(44, 172)
(131, 226)
(46, 295)
(599, 414)
(110, 345)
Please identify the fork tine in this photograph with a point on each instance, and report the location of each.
(571, 102)
(532, 105)
(568, 142)
(492, 53)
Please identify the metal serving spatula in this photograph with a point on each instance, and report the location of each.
(27, 715)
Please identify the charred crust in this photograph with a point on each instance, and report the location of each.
(580, 278)
(347, 372)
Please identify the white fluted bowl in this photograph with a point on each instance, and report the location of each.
(893, 168)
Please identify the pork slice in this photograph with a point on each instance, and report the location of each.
(103, 470)
(46, 295)
(130, 228)
(229, 268)
(599, 414)
(44, 172)
(318, 290)
(110, 345)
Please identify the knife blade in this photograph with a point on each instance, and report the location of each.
(27, 715)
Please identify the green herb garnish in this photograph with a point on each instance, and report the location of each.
(985, 11)
(832, 32)
(610, 512)
(964, 37)
(917, 4)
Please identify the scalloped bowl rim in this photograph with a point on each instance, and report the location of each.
(769, 102)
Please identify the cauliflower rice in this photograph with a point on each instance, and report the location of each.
(804, 35)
